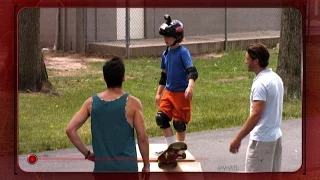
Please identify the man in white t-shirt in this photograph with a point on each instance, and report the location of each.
(266, 102)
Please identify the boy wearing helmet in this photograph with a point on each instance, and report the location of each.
(176, 83)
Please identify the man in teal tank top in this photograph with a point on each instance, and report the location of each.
(114, 117)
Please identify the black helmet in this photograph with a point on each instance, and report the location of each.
(172, 28)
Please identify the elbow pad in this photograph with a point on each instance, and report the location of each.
(192, 73)
(163, 79)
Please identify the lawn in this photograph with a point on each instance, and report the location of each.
(221, 99)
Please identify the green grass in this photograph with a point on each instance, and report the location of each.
(221, 99)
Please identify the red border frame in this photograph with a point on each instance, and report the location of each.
(8, 85)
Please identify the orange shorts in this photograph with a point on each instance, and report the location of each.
(176, 106)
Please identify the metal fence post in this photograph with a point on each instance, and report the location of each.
(84, 26)
(225, 30)
(127, 32)
(95, 25)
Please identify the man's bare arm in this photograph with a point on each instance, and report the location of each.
(257, 110)
(76, 122)
(139, 125)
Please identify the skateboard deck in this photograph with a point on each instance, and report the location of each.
(168, 158)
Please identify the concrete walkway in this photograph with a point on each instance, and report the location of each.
(210, 148)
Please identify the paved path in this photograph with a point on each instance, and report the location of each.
(210, 148)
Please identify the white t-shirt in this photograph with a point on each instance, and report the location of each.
(268, 86)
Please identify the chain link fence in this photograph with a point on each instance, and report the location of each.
(129, 27)
(205, 24)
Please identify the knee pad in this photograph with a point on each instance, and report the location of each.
(162, 120)
(179, 126)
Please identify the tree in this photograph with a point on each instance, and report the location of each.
(32, 71)
(289, 59)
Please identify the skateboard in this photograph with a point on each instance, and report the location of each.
(168, 158)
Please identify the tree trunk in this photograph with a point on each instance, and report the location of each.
(289, 59)
(32, 71)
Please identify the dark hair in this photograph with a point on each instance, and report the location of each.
(260, 52)
(113, 72)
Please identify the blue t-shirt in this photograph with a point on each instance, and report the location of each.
(176, 63)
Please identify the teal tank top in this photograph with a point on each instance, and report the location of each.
(113, 140)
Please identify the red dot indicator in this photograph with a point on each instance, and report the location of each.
(32, 159)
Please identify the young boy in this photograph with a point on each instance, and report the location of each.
(176, 83)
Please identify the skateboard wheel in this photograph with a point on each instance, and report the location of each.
(174, 164)
(184, 155)
(159, 164)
